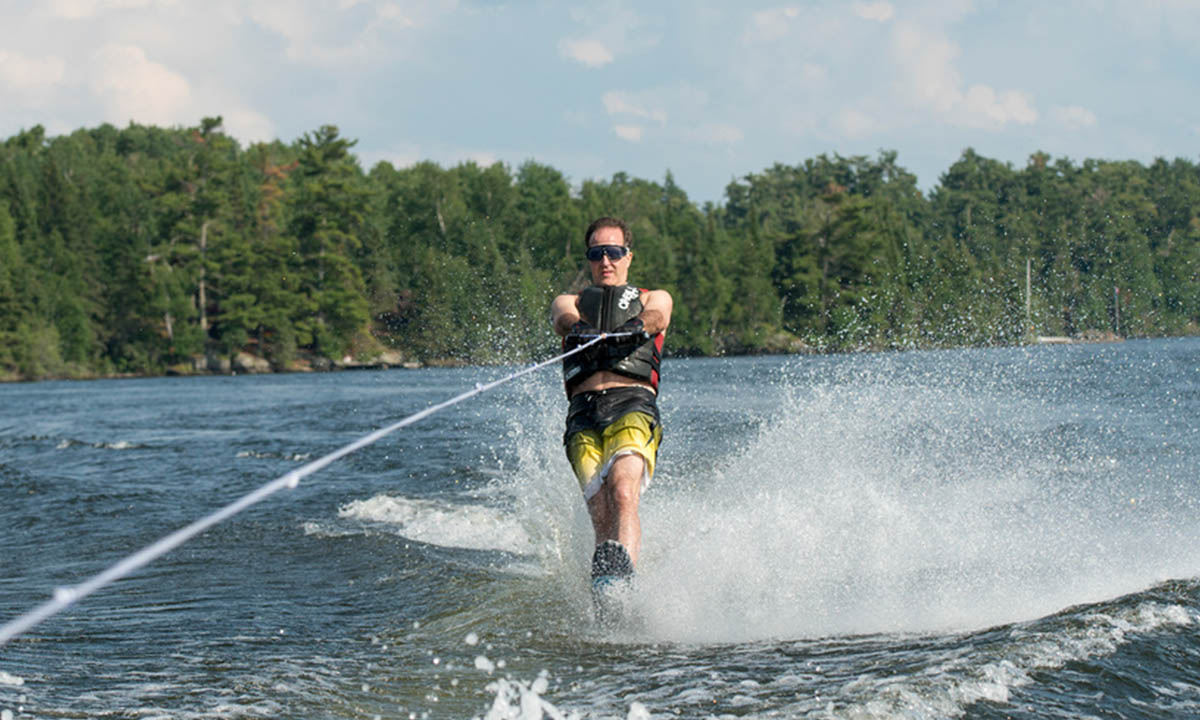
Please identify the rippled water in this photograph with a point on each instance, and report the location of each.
(979, 533)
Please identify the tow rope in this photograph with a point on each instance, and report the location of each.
(66, 596)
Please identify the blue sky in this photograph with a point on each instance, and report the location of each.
(709, 90)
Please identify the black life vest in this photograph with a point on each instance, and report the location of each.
(606, 308)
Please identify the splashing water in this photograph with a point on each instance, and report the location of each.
(880, 498)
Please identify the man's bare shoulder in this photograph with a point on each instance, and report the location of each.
(563, 302)
(564, 312)
(657, 298)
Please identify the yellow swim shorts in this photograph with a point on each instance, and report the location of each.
(592, 452)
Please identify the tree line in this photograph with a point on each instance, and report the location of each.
(141, 249)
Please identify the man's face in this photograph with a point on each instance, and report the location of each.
(607, 271)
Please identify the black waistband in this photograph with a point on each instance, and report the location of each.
(597, 409)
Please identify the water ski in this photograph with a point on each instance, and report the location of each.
(612, 581)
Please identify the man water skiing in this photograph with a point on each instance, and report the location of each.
(613, 428)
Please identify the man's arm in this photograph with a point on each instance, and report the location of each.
(564, 312)
(656, 311)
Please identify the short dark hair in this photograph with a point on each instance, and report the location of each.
(608, 222)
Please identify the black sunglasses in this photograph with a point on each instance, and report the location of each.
(613, 252)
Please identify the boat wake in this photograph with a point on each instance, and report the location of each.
(435, 522)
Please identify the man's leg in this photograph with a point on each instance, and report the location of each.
(614, 509)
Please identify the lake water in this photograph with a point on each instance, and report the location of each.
(971, 533)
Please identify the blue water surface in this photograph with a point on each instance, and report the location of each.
(1007, 532)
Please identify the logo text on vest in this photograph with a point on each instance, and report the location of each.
(630, 294)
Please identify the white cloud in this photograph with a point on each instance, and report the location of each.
(928, 78)
(622, 103)
(248, 126)
(396, 13)
(146, 61)
(414, 13)
(790, 65)
(632, 133)
(802, 76)
(592, 53)
(604, 31)
(714, 134)
(21, 73)
(985, 107)
(771, 24)
(282, 19)
(854, 123)
(877, 11)
(1073, 117)
(926, 62)
(321, 38)
(85, 9)
(133, 87)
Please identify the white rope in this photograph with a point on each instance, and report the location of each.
(64, 597)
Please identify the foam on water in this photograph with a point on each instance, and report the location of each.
(66, 443)
(519, 700)
(474, 527)
(957, 680)
(943, 680)
(295, 457)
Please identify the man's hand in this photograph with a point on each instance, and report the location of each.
(634, 327)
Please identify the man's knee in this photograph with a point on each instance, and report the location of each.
(625, 495)
(625, 479)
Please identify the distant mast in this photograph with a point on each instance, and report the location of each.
(1029, 297)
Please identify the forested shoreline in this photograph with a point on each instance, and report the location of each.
(149, 250)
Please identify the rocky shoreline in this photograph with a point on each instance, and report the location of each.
(244, 363)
